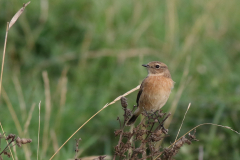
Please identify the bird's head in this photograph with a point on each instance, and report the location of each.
(157, 68)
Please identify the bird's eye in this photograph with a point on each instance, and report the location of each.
(157, 66)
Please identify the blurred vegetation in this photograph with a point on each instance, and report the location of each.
(93, 51)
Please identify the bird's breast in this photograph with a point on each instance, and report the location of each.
(156, 90)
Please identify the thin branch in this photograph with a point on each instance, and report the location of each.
(183, 120)
(39, 107)
(4, 51)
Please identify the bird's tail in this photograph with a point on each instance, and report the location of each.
(134, 117)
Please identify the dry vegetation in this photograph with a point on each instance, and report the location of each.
(12, 141)
(140, 142)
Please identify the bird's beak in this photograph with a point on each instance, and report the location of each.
(144, 65)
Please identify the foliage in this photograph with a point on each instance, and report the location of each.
(93, 51)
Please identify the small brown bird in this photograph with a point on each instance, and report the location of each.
(154, 90)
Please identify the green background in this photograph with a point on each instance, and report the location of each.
(94, 49)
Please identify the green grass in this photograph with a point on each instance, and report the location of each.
(101, 45)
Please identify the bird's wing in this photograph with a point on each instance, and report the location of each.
(140, 92)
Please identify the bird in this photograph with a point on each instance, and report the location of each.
(154, 90)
